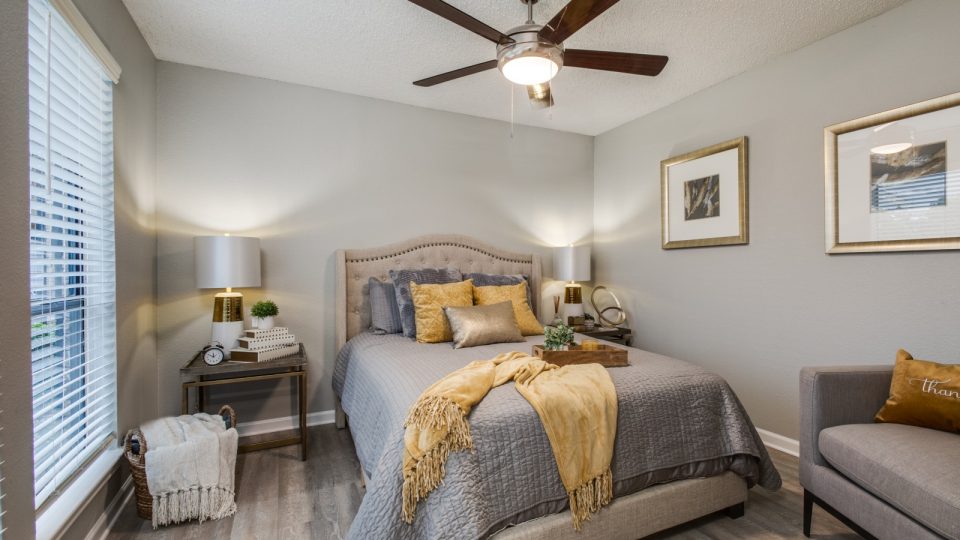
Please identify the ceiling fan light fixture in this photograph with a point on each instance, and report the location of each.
(529, 70)
(528, 60)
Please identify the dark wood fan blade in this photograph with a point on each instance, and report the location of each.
(456, 74)
(637, 64)
(573, 17)
(541, 97)
(456, 16)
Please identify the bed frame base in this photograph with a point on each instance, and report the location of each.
(339, 417)
(643, 513)
(736, 511)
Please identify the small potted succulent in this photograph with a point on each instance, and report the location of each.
(557, 338)
(263, 312)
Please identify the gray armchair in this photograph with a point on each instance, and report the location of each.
(882, 480)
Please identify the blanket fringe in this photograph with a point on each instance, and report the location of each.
(435, 413)
(590, 497)
(438, 413)
(426, 476)
(195, 503)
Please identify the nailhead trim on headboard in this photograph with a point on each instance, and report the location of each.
(440, 244)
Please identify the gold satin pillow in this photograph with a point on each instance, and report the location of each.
(428, 303)
(923, 393)
(494, 294)
(483, 325)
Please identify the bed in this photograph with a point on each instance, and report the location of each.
(685, 447)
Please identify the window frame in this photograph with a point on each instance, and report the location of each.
(90, 467)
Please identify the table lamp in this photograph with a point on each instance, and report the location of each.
(225, 262)
(572, 263)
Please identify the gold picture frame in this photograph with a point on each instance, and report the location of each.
(732, 229)
(834, 184)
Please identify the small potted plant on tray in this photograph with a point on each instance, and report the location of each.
(557, 338)
(263, 313)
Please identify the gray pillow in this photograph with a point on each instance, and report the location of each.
(487, 280)
(384, 313)
(401, 283)
(483, 325)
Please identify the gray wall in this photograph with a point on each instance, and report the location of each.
(15, 398)
(310, 171)
(755, 314)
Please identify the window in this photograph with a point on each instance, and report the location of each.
(72, 264)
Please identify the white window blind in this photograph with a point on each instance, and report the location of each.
(72, 263)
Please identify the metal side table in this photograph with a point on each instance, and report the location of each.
(197, 374)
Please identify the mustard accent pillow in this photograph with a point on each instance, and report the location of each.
(923, 393)
(517, 294)
(428, 303)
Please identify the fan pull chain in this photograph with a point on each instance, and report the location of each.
(551, 105)
(513, 94)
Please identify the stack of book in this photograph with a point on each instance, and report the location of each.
(264, 345)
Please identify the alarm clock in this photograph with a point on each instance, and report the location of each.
(212, 354)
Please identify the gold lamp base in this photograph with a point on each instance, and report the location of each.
(228, 307)
(572, 294)
(572, 302)
(227, 320)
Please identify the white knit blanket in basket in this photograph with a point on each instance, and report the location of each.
(190, 462)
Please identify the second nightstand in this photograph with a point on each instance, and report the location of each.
(613, 334)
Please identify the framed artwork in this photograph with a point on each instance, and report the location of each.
(703, 197)
(892, 180)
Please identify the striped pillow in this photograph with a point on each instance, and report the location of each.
(401, 283)
(384, 312)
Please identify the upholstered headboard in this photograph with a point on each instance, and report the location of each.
(355, 267)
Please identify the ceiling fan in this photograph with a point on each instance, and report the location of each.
(532, 54)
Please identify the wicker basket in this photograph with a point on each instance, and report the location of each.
(135, 447)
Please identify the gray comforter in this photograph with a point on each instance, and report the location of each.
(675, 421)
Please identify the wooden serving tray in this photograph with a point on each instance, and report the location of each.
(605, 355)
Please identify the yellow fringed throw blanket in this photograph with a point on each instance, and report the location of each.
(576, 404)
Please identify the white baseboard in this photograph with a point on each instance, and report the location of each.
(284, 423)
(780, 442)
(109, 517)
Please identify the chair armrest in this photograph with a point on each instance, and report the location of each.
(834, 396)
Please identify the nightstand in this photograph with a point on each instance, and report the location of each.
(614, 334)
(196, 374)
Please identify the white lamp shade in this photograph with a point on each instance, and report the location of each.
(226, 261)
(572, 263)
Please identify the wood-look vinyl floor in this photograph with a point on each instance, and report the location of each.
(281, 497)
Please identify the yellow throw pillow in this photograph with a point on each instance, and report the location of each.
(428, 303)
(517, 294)
(923, 393)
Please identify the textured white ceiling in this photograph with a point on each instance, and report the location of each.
(376, 48)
